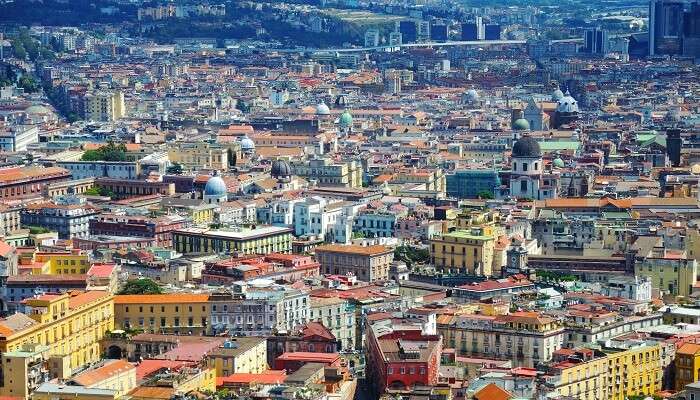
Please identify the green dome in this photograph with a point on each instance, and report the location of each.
(558, 162)
(345, 119)
(521, 124)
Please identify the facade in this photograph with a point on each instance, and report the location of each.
(24, 370)
(329, 174)
(199, 155)
(116, 375)
(69, 217)
(106, 106)
(163, 313)
(687, 365)
(71, 324)
(20, 287)
(375, 223)
(159, 228)
(527, 178)
(338, 316)
(470, 184)
(239, 355)
(260, 311)
(526, 338)
(613, 374)
(18, 138)
(102, 169)
(670, 275)
(128, 187)
(262, 240)
(468, 251)
(29, 181)
(367, 263)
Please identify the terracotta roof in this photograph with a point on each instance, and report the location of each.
(100, 374)
(492, 392)
(270, 377)
(354, 249)
(79, 299)
(169, 298)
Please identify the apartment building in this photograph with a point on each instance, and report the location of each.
(239, 355)
(261, 240)
(199, 155)
(177, 313)
(106, 106)
(337, 315)
(367, 263)
(466, 251)
(330, 174)
(526, 338)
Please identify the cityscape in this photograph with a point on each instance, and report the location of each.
(349, 200)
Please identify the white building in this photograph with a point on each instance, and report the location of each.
(18, 138)
(636, 288)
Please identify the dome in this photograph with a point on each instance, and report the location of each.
(215, 187)
(281, 169)
(557, 95)
(558, 163)
(526, 147)
(322, 109)
(247, 144)
(345, 119)
(567, 104)
(37, 109)
(521, 124)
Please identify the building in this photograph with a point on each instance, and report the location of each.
(492, 32)
(466, 251)
(106, 106)
(116, 375)
(666, 27)
(371, 38)
(71, 324)
(260, 240)
(596, 41)
(128, 187)
(18, 182)
(199, 155)
(158, 228)
(472, 183)
(687, 365)
(399, 360)
(472, 31)
(327, 173)
(102, 169)
(527, 338)
(439, 32)
(338, 316)
(408, 30)
(69, 216)
(239, 355)
(17, 288)
(259, 311)
(24, 370)
(367, 263)
(18, 138)
(527, 177)
(608, 373)
(176, 313)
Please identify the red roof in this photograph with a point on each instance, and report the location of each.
(309, 357)
(101, 270)
(147, 367)
(492, 392)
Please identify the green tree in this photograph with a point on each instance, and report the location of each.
(93, 191)
(411, 255)
(141, 286)
(107, 152)
(18, 50)
(485, 194)
(28, 84)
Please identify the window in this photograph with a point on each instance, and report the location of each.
(523, 186)
(524, 167)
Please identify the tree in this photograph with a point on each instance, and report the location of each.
(107, 152)
(485, 194)
(28, 84)
(93, 191)
(411, 255)
(141, 286)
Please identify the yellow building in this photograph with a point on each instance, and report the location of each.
(179, 313)
(467, 251)
(669, 273)
(198, 211)
(614, 375)
(687, 365)
(199, 155)
(55, 263)
(23, 370)
(328, 173)
(71, 324)
(247, 355)
(177, 383)
(261, 240)
(105, 106)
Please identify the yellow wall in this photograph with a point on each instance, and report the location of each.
(251, 361)
(687, 364)
(65, 263)
(169, 313)
(75, 332)
(464, 250)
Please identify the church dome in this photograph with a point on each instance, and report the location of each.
(567, 104)
(521, 124)
(247, 144)
(526, 147)
(558, 163)
(281, 169)
(557, 95)
(345, 119)
(322, 109)
(215, 187)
